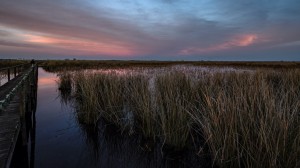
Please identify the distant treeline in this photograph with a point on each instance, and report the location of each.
(11, 62)
(57, 65)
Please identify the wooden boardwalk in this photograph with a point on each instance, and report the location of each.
(7, 87)
(11, 116)
(9, 131)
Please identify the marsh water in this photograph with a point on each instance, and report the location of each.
(59, 140)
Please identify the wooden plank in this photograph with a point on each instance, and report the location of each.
(10, 121)
(7, 87)
(9, 129)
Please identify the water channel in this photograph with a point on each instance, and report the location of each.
(59, 140)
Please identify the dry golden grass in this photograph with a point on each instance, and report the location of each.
(141, 101)
(60, 65)
(174, 96)
(249, 119)
(10, 62)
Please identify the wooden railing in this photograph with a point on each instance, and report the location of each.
(17, 112)
(25, 74)
(8, 73)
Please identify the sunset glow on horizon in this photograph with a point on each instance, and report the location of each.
(160, 29)
(81, 46)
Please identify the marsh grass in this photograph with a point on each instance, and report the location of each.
(59, 65)
(65, 81)
(174, 96)
(247, 119)
(111, 97)
(86, 98)
(99, 96)
(10, 62)
(142, 104)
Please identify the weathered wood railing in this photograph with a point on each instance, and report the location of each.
(17, 70)
(11, 72)
(17, 112)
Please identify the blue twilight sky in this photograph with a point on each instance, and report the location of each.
(150, 29)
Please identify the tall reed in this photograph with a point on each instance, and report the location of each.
(173, 97)
(65, 81)
(87, 101)
(110, 89)
(142, 103)
(249, 121)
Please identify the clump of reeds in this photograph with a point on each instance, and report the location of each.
(65, 81)
(251, 120)
(110, 89)
(174, 95)
(100, 95)
(248, 119)
(141, 102)
(86, 98)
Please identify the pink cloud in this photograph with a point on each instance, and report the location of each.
(245, 40)
(236, 41)
(77, 46)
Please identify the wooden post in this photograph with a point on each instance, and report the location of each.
(23, 117)
(8, 74)
(15, 71)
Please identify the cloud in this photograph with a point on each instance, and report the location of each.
(238, 41)
(78, 45)
(289, 44)
(69, 22)
(141, 28)
(15, 44)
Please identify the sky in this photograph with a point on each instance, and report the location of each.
(254, 30)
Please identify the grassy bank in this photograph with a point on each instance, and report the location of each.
(60, 65)
(247, 119)
(11, 62)
(251, 120)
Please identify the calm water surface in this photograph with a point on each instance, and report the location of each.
(61, 141)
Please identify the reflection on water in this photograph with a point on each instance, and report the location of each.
(59, 142)
(62, 141)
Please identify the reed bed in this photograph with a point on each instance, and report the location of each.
(174, 97)
(11, 62)
(140, 99)
(247, 119)
(60, 65)
(99, 96)
(251, 120)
